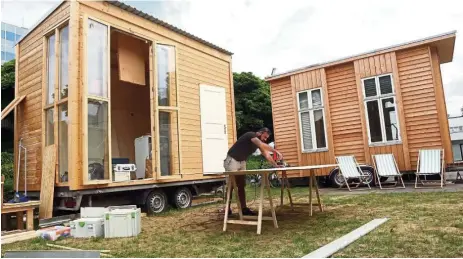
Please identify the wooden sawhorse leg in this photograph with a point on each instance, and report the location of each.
(314, 183)
(242, 221)
(285, 185)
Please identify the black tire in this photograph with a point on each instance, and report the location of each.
(156, 202)
(182, 198)
(337, 180)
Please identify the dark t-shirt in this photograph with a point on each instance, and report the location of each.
(243, 147)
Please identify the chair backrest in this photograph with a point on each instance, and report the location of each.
(385, 165)
(430, 161)
(348, 166)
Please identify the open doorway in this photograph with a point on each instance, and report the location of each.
(130, 105)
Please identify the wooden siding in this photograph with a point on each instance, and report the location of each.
(345, 111)
(419, 101)
(29, 121)
(375, 65)
(284, 113)
(396, 150)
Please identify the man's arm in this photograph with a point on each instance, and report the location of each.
(266, 149)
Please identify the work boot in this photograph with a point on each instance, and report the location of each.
(248, 212)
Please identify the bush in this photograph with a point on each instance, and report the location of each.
(8, 172)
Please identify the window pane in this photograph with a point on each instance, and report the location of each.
(306, 131)
(390, 119)
(316, 98)
(457, 152)
(97, 59)
(63, 142)
(168, 143)
(98, 153)
(374, 121)
(303, 101)
(385, 84)
(49, 128)
(64, 52)
(319, 128)
(51, 70)
(166, 75)
(370, 87)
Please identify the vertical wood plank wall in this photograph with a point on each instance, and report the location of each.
(345, 111)
(420, 108)
(29, 121)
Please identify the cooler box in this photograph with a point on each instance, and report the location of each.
(122, 223)
(87, 227)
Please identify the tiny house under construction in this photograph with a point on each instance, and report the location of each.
(107, 84)
(389, 100)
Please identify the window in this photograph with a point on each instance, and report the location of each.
(167, 109)
(381, 110)
(97, 102)
(56, 111)
(312, 120)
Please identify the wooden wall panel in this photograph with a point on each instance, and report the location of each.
(375, 65)
(285, 121)
(29, 116)
(307, 80)
(345, 112)
(419, 101)
(396, 150)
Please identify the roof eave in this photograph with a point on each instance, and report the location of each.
(448, 40)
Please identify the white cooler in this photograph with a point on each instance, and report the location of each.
(87, 227)
(122, 223)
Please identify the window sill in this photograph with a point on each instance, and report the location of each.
(389, 143)
(315, 150)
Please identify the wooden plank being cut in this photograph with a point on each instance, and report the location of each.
(48, 182)
(340, 243)
(11, 106)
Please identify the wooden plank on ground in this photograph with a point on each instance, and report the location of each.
(340, 243)
(48, 182)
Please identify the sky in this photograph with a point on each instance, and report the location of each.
(266, 34)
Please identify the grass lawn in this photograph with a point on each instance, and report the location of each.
(420, 225)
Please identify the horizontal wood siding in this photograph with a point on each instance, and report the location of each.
(284, 121)
(345, 112)
(396, 150)
(29, 121)
(419, 101)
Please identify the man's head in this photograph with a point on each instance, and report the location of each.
(264, 134)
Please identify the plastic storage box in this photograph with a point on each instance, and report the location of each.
(122, 223)
(87, 227)
(93, 212)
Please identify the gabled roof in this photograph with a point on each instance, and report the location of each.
(137, 12)
(445, 44)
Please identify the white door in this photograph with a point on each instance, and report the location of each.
(213, 128)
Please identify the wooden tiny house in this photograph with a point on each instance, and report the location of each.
(98, 77)
(385, 101)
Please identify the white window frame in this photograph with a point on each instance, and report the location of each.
(378, 98)
(311, 110)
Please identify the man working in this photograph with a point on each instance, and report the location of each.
(239, 153)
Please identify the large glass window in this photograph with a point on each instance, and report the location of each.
(98, 148)
(98, 138)
(169, 161)
(63, 122)
(312, 120)
(97, 59)
(51, 60)
(381, 111)
(64, 71)
(49, 127)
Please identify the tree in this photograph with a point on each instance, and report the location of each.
(252, 103)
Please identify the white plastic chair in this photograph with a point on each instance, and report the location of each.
(386, 166)
(350, 169)
(430, 162)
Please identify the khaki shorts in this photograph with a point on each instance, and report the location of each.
(230, 164)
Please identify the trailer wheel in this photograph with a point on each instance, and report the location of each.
(156, 202)
(182, 198)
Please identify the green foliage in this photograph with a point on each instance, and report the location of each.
(8, 172)
(252, 102)
(8, 69)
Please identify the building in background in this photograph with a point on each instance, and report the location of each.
(11, 34)
(456, 135)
